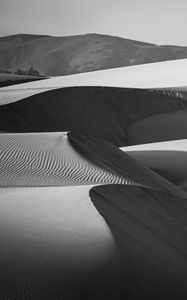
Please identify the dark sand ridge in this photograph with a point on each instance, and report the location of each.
(148, 223)
(121, 163)
(172, 165)
(169, 159)
(56, 246)
(104, 112)
(149, 227)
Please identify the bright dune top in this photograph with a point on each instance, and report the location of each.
(154, 75)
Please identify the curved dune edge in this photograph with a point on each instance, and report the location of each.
(160, 127)
(13, 95)
(103, 112)
(149, 228)
(54, 243)
(121, 163)
(169, 159)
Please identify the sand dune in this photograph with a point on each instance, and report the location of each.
(55, 245)
(169, 159)
(159, 127)
(104, 112)
(47, 160)
(149, 228)
(154, 75)
(121, 163)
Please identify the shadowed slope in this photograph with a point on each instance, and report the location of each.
(169, 159)
(150, 230)
(121, 163)
(99, 111)
(160, 127)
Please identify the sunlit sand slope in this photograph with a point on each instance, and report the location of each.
(154, 75)
(55, 245)
(47, 160)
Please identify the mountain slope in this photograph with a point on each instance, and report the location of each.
(83, 53)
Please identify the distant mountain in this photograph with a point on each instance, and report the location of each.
(82, 53)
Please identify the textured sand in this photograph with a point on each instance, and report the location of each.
(47, 159)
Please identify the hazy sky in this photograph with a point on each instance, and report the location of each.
(158, 21)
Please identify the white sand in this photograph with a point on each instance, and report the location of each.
(177, 145)
(47, 159)
(154, 75)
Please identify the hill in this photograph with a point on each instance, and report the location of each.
(83, 53)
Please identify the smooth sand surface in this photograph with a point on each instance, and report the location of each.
(159, 127)
(169, 159)
(154, 75)
(47, 159)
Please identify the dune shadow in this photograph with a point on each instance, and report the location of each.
(170, 164)
(150, 231)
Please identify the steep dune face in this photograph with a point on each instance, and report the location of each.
(75, 54)
(169, 159)
(54, 243)
(121, 163)
(103, 112)
(149, 228)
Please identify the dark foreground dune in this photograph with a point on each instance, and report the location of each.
(149, 227)
(121, 163)
(54, 243)
(104, 112)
